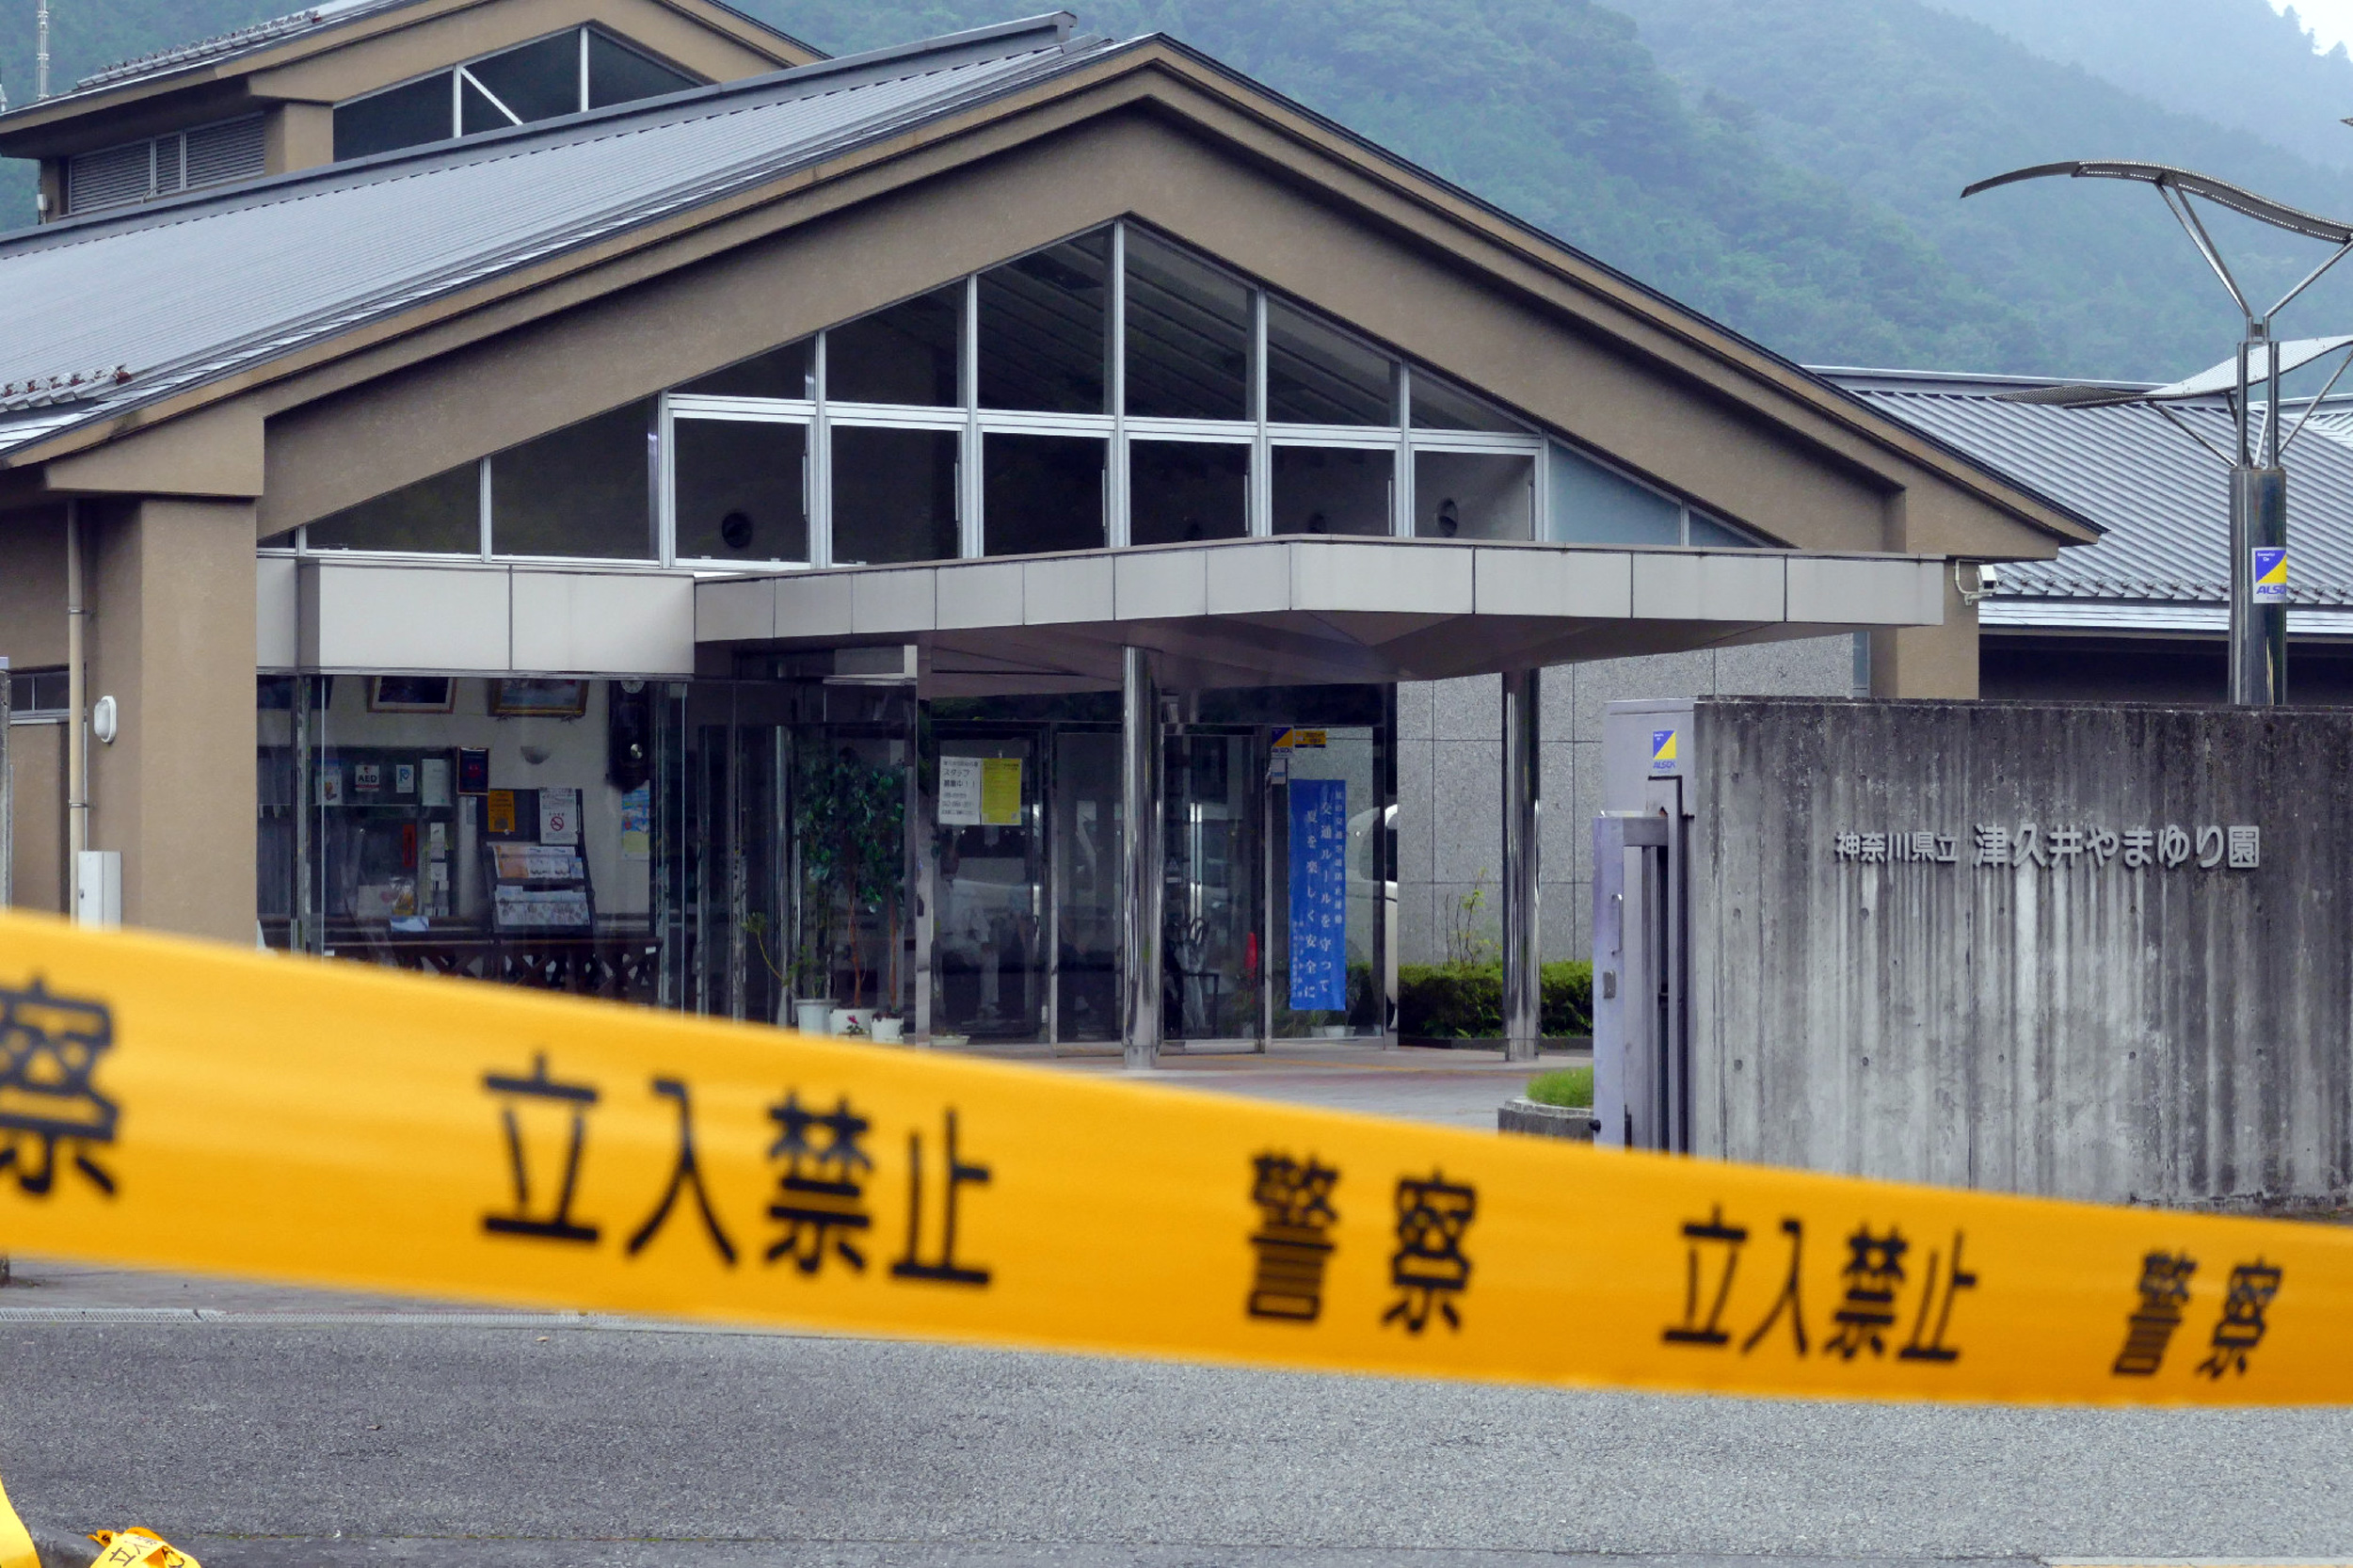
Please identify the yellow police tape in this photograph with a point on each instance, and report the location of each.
(169, 1104)
(137, 1548)
(16, 1542)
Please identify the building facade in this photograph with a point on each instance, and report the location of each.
(988, 533)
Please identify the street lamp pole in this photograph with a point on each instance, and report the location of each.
(2259, 482)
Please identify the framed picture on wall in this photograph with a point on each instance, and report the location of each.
(411, 694)
(538, 699)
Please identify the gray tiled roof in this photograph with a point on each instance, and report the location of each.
(181, 291)
(228, 46)
(2163, 501)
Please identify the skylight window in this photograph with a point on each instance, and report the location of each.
(563, 74)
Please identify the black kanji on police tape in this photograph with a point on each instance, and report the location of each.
(821, 1196)
(1721, 1245)
(1292, 1241)
(49, 1104)
(1429, 1268)
(685, 1172)
(2241, 1327)
(959, 1175)
(1874, 1273)
(1927, 1343)
(1869, 1309)
(553, 1221)
(2164, 1292)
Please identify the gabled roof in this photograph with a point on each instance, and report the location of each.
(162, 303)
(129, 307)
(315, 27)
(2162, 500)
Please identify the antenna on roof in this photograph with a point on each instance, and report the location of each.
(41, 50)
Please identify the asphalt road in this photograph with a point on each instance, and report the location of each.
(378, 1440)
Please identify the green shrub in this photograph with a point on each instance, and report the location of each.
(1571, 1086)
(1465, 1001)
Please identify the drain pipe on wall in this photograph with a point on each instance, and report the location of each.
(77, 695)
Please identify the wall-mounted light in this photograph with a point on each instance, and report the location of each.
(102, 722)
(1989, 579)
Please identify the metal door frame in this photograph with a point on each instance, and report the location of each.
(1642, 974)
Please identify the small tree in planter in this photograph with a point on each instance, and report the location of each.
(849, 822)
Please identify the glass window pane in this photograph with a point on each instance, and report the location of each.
(1315, 375)
(894, 495)
(442, 513)
(1590, 504)
(580, 490)
(1708, 533)
(1184, 491)
(405, 116)
(538, 81)
(619, 75)
(1042, 492)
(905, 354)
(475, 112)
(740, 489)
(1474, 495)
(1044, 322)
(1439, 407)
(1187, 336)
(779, 373)
(1325, 489)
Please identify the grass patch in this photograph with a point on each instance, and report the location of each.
(1571, 1086)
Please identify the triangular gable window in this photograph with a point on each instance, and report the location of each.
(1112, 388)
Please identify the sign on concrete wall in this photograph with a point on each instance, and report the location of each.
(2099, 951)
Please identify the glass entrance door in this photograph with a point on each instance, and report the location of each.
(1086, 907)
(988, 962)
(1212, 923)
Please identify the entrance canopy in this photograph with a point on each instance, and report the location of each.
(1309, 610)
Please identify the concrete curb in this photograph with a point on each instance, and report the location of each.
(1522, 1114)
(64, 1551)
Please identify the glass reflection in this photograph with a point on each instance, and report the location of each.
(1317, 376)
(1043, 493)
(1043, 328)
(1474, 495)
(1327, 490)
(894, 495)
(905, 354)
(740, 489)
(1187, 336)
(1179, 491)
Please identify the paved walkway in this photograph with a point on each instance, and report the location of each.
(1456, 1088)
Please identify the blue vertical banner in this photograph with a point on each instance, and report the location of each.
(1319, 894)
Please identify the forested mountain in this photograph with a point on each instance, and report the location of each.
(1791, 166)
(1906, 104)
(2236, 63)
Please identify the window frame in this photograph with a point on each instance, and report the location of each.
(819, 416)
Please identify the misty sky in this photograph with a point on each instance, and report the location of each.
(2331, 21)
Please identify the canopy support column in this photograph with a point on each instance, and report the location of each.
(1522, 811)
(1142, 846)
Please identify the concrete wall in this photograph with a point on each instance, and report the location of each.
(2095, 1031)
(1449, 783)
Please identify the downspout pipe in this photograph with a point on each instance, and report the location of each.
(77, 690)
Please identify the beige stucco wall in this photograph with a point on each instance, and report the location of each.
(37, 767)
(171, 641)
